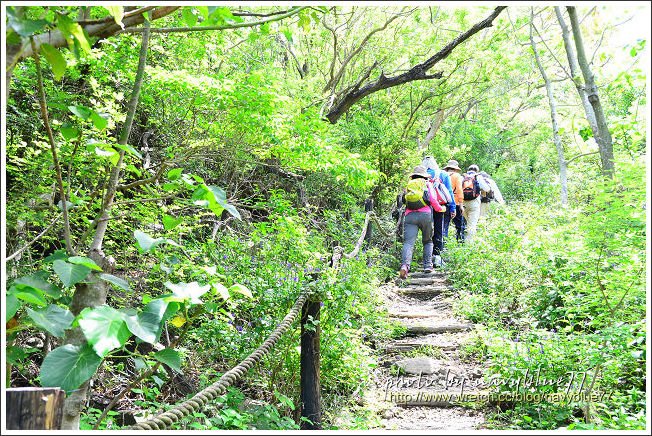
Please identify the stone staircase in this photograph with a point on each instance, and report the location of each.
(420, 377)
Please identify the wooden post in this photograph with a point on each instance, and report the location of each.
(310, 392)
(34, 408)
(368, 206)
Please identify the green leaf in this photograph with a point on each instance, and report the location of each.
(28, 294)
(129, 149)
(146, 242)
(70, 28)
(105, 150)
(175, 174)
(12, 305)
(86, 261)
(53, 319)
(147, 325)
(170, 222)
(99, 121)
(241, 289)
(169, 357)
(105, 328)
(189, 17)
(121, 283)
(36, 281)
(68, 131)
(117, 12)
(188, 291)
(55, 59)
(81, 111)
(70, 273)
(57, 255)
(69, 366)
(25, 27)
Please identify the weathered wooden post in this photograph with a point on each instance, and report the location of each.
(34, 408)
(310, 387)
(368, 206)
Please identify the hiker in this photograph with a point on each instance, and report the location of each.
(472, 186)
(420, 201)
(442, 186)
(453, 169)
(487, 197)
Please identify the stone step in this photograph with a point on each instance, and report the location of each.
(421, 275)
(425, 281)
(412, 315)
(423, 290)
(415, 330)
(410, 346)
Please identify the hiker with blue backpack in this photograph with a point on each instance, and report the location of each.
(442, 186)
(420, 202)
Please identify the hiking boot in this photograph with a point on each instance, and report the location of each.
(428, 269)
(403, 272)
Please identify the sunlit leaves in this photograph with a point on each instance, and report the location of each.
(105, 328)
(117, 12)
(85, 261)
(117, 281)
(169, 357)
(55, 59)
(190, 292)
(146, 242)
(213, 198)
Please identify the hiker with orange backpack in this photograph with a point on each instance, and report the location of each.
(420, 202)
(442, 186)
(473, 184)
(453, 169)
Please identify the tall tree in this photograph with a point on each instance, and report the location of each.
(553, 115)
(603, 136)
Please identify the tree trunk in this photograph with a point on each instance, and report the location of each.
(553, 115)
(575, 73)
(94, 292)
(604, 136)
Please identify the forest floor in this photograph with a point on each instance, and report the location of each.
(420, 376)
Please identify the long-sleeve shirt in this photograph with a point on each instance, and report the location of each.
(456, 184)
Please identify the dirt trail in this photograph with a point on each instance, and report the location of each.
(419, 378)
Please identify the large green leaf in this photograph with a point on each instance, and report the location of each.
(121, 283)
(53, 319)
(28, 294)
(170, 222)
(117, 12)
(105, 328)
(69, 366)
(81, 111)
(129, 149)
(241, 289)
(86, 261)
(70, 273)
(187, 291)
(55, 59)
(213, 198)
(12, 304)
(36, 281)
(147, 325)
(170, 357)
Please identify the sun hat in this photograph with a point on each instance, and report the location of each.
(420, 171)
(453, 165)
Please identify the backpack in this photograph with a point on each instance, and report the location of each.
(416, 194)
(441, 191)
(470, 186)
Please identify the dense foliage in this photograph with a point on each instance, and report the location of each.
(234, 190)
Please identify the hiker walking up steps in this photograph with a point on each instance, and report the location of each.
(420, 201)
(441, 184)
(453, 169)
(472, 186)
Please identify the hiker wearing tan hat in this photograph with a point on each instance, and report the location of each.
(453, 170)
(420, 200)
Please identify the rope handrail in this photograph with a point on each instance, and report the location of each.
(218, 388)
(200, 399)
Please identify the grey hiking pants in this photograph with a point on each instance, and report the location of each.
(415, 221)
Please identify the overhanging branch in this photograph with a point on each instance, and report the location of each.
(417, 72)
